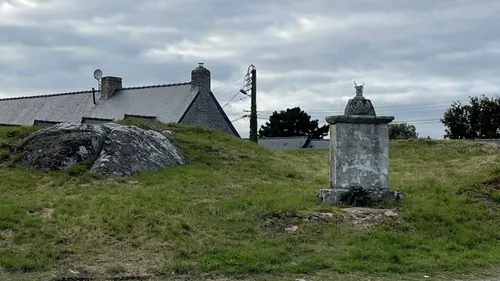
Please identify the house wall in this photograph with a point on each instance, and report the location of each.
(205, 112)
(149, 119)
(43, 123)
(96, 121)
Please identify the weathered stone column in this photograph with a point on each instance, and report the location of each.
(359, 152)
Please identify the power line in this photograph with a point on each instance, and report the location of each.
(239, 92)
(226, 90)
(244, 116)
(232, 83)
(406, 111)
(231, 99)
(245, 97)
(382, 108)
(418, 121)
(229, 102)
(379, 109)
(223, 95)
(230, 90)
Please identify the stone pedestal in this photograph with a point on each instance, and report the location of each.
(359, 153)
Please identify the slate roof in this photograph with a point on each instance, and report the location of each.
(318, 144)
(284, 142)
(167, 102)
(70, 107)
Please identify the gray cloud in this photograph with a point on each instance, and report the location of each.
(423, 54)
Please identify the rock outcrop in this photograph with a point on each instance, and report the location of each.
(129, 150)
(112, 150)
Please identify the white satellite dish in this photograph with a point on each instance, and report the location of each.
(97, 74)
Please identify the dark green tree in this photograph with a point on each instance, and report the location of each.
(480, 119)
(292, 122)
(402, 131)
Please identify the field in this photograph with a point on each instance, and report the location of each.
(207, 217)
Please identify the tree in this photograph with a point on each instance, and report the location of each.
(292, 122)
(480, 119)
(402, 131)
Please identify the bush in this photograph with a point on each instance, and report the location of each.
(356, 196)
(402, 131)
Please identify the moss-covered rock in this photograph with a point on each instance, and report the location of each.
(110, 150)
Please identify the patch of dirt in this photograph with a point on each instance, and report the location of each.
(130, 264)
(119, 261)
(368, 217)
(292, 223)
(7, 242)
(6, 238)
(46, 213)
(46, 185)
(280, 223)
(487, 192)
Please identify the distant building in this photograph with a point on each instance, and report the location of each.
(286, 143)
(188, 103)
(493, 141)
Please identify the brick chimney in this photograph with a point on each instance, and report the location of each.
(200, 77)
(109, 85)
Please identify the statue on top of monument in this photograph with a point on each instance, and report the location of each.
(359, 89)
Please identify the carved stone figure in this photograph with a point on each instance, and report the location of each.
(359, 105)
(359, 89)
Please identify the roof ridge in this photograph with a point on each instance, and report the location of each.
(49, 95)
(96, 91)
(155, 86)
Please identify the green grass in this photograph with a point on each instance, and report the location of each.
(205, 216)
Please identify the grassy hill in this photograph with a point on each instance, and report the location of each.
(206, 217)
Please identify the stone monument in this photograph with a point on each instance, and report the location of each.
(359, 152)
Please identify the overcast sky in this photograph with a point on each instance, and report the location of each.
(424, 54)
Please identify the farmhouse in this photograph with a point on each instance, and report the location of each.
(190, 103)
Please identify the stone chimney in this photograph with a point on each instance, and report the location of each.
(200, 77)
(109, 85)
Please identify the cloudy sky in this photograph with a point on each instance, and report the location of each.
(415, 57)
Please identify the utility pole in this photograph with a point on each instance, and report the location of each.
(253, 108)
(251, 84)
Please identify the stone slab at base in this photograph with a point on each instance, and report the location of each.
(334, 196)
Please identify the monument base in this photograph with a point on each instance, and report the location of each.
(335, 196)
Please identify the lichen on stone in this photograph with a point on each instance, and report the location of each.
(112, 150)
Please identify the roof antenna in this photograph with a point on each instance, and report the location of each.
(97, 76)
